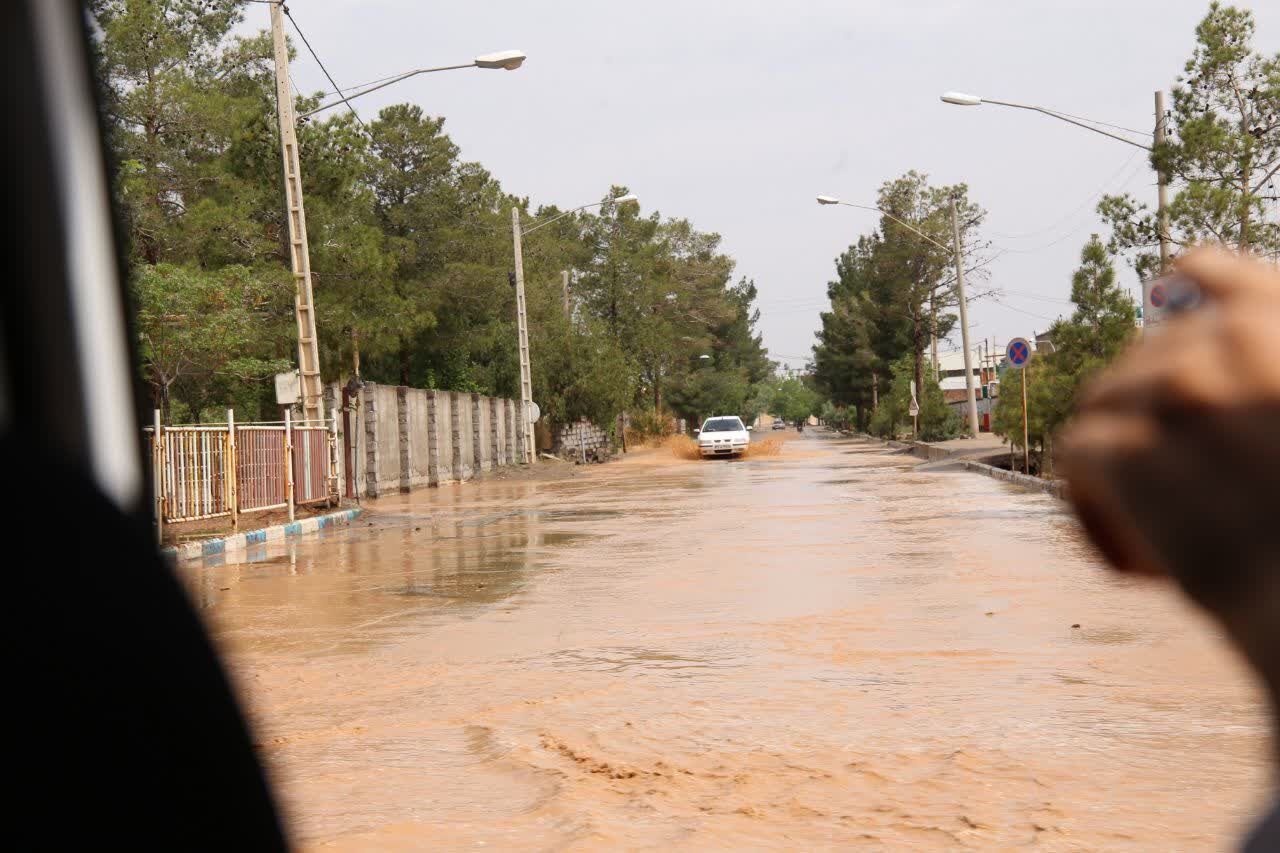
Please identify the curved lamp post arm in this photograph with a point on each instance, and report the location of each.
(623, 199)
(964, 99)
(530, 230)
(382, 85)
(1061, 117)
(507, 60)
(907, 225)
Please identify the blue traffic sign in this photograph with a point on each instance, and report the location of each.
(1018, 352)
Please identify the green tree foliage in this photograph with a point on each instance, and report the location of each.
(936, 421)
(1102, 324)
(411, 248)
(205, 334)
(1223, 150)
(794, 400)
(893, 293)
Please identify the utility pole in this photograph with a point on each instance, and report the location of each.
(564, 284)
(933, 334)
(972, 404)
(299, 253)
(1026, 439)
(526, 385)
(1162, 184)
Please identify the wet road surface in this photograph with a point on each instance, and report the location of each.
(822, 649)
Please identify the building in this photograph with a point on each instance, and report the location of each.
(985, 383)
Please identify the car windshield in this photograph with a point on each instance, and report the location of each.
(722, 425)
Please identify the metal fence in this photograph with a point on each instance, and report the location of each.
(312, 465)
(194, 463)
(260, 467)
(208, 471)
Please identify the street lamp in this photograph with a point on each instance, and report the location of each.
(522, 326)
(507, 60)
(964, 99)
(954, 249)
(295, 213)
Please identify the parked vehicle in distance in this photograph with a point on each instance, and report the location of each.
(723, 436)
(779, 423)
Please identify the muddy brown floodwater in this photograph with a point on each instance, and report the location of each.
(821, 649)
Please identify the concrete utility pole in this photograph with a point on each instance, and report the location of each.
(972, 405)
(1162, 185)
(299, 253)
(526, 384)
(933, 335)
(564, 284)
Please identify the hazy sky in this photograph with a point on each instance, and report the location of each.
(735, 114)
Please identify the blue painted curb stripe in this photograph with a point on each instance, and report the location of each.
(212, 547)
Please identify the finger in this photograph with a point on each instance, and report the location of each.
(1182, 368)
(1089, 451)
(1227, 276)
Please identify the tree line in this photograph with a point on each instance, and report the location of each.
(892, 300)
(889, 301)
(411, 250)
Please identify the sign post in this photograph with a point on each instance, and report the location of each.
(1019, 353)
(914, 411)
(1155, 303)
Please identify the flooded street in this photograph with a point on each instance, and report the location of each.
(819, 649)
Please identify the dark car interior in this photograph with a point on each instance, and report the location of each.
(127, 726)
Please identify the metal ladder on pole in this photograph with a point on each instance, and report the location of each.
(299, 252)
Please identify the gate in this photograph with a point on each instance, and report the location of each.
(212, 471)
(261, 475)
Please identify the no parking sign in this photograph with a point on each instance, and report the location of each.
(1018, 352)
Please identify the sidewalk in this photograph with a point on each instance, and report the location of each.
(236, 542)
(985, 444)
(970, 453)
(955, 449)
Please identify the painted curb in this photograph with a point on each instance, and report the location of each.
(240, 541)
(1057, 488)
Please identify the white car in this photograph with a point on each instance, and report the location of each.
(723, 436)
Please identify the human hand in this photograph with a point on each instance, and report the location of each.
(1173, 457)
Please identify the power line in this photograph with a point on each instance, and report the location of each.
(1103, 188)
(363, 85)
(312, 51)
(1003, 291)
(1028, 313)
(1105, 124)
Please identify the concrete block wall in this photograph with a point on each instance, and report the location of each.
(333, 403)
(573, 439)
(513, 433)
(481, 433)
(418, 406)
(382, 437)
(440, 438)
(464, 467)
(498, 427)
(405, 438)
